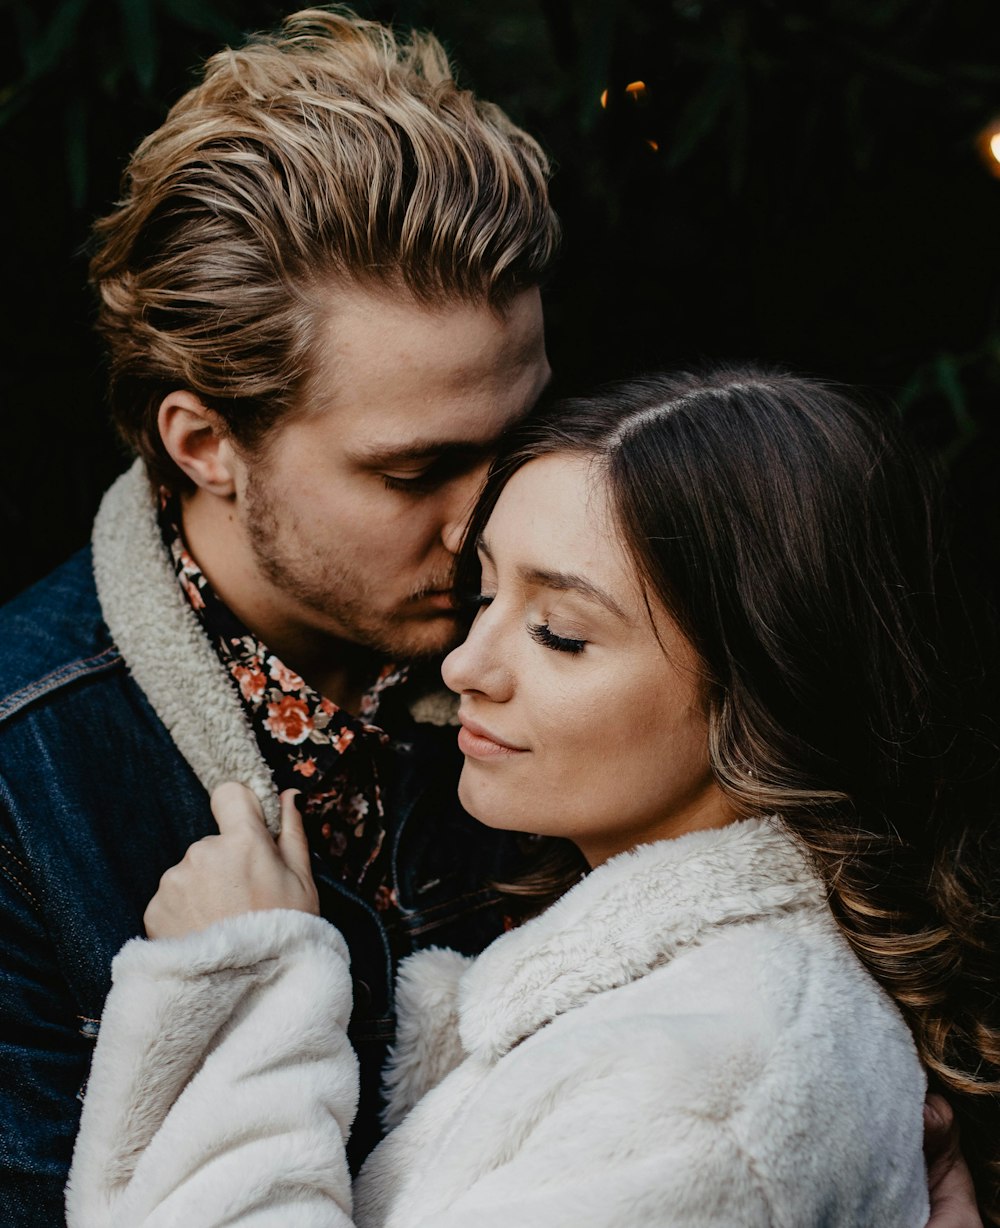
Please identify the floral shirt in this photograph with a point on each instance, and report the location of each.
(307, 741)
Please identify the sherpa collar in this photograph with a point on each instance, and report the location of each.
(169, 655)
(630, 915)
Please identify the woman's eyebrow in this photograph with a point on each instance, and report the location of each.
(561, 582)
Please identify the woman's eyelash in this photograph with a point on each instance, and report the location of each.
(540, 632)
(475, 601)
(561, 643)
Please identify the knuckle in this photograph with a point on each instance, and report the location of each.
(199, 852)
(169, 877)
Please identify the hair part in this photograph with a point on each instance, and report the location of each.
(331, 151)
(796, 539)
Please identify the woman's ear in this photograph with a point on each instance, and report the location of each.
(197, 442)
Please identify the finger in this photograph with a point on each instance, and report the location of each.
(293, 844)
(952, 1192)
(939, 1109)
(940, 1130)
(237, 809)
(151, 919)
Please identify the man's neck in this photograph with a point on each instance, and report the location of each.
(338, 670)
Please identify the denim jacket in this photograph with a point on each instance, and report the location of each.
(116, 719)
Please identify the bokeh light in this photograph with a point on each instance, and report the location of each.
(989, 147)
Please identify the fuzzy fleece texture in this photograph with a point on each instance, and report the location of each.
(222, 1026)
(164, 647)
(684, 1039)
(171, 658)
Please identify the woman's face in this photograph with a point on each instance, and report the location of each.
(581, 715)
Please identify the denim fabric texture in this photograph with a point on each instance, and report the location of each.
(96, 802)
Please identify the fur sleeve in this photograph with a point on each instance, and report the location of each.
(223, 1085)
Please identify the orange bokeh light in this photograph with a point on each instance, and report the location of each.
(637, 91)
(989, 147)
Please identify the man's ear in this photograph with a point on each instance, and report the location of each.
(194, 436)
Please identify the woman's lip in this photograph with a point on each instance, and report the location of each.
(479, 743)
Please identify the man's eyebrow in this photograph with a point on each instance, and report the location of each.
(561, 582)
(447, 449)
(444, 449)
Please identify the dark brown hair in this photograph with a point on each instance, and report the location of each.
(796, 539)
(331, 151)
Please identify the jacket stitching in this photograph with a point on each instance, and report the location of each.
(24, 889)
(59, 677)
(14, 857)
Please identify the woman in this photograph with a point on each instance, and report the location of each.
(708, 654)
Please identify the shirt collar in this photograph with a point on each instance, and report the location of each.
(310, 730)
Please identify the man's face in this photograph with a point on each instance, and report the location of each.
(353, 511)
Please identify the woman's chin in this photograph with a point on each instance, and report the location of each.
(482, 812)
(488, 807)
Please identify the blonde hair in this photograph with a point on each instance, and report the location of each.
(329, 150)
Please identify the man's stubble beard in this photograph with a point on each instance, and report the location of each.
(337, 593)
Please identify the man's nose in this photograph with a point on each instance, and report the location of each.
(452, 533)
(461, 502)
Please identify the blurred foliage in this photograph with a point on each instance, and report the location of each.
(791, 180)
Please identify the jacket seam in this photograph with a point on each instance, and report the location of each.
(24, 890)
(65, 674)
(14, 857)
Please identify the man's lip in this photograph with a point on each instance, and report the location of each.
(439, 596)
(479, 739)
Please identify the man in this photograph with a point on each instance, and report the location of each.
(320, 300)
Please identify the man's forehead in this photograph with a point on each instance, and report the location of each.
(401, 381)
(373, 342)
(469, 437)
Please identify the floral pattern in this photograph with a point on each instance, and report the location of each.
(306, 740)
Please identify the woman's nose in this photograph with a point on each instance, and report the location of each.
(479, 665)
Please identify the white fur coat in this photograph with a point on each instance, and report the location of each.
(684, 1039)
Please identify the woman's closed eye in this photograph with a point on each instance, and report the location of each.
(543, 634)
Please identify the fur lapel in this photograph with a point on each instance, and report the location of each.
(164, 647)
(630, 915)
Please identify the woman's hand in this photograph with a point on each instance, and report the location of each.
(953, 1196)
(240, 870)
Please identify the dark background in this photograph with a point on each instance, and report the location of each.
(799, 182)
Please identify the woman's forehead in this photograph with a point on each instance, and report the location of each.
(553, 516)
